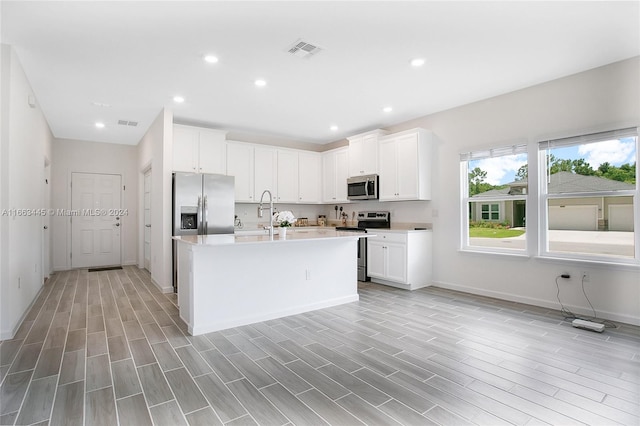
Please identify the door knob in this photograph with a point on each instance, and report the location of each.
(117, 224)
(46, 227)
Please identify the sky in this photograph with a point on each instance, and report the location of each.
(501, 170)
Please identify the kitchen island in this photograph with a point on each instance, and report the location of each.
(227, 281)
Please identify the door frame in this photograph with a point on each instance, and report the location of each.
(47, 259)
(148, 167)
(148, 172)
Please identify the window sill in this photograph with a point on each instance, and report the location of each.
(632, 265)
(517, 255)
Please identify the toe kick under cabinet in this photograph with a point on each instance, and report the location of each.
(400, 258)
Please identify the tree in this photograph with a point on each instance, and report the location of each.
(477, 182)
(523, 172)
(624, 173)
(581, 167)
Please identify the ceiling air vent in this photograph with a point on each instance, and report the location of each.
(302, 49)
(127, 123)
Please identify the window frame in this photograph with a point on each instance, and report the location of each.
(544, 198)
(467, 201)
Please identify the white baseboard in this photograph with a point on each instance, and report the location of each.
(162, 289)
(613, 316)
(208, 328)
(10, 334)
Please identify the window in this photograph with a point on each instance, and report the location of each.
(588, 196)
(494, 192)
(491, 212)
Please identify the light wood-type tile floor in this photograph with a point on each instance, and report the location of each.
(109, 348)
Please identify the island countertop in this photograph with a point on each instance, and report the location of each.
(293, 235)
(227, 281)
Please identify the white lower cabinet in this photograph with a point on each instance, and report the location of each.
(400, 258)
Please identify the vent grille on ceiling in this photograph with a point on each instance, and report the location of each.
(302, 49)
(127, 123)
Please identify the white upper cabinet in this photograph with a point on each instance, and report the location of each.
(363, 153)
(287, 176)
(335, 171)
(309, 175)
(405, 165)
(199, 150)
(265, 171)
(240, 165)
(213, 152)
(185, 149)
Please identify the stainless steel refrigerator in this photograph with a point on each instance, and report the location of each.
(202, 204)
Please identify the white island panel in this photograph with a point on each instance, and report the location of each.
(228, 285)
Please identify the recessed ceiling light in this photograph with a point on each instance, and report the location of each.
(260, 83)
(178, 99)
(211, 59)
(387, 109)
(99, 125)
(333, 128)
(417, 62)
(100, 104)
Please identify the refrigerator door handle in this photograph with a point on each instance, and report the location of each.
(205, 208)
(199, 212)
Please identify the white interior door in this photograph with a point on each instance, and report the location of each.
(147, 220)
(96, 221)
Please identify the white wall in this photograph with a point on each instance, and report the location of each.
(72, 156)
(25, 144)
(155, 150)
(600, 99)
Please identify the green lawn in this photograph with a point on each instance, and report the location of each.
(494, 233)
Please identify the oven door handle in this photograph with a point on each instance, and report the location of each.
(366, 188)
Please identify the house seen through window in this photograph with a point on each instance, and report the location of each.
(588, 196)
(495, 199)
(586, 200)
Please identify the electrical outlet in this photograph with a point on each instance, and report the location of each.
(308, 274)
(584, 275)
(18, 282)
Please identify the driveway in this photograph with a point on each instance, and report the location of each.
(611, 243)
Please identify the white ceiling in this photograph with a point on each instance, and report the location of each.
(136, 56)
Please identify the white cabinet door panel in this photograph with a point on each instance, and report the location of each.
(388, 170)
(407, 166)
(240, 166)
(185, 149)
(308, 177)
(213, 153)
(265, 171)
(375, 259)
(396, 255)
(287, 176)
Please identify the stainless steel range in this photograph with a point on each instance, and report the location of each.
(371, 220)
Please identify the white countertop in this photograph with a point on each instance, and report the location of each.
(398, 231)
(293, 235)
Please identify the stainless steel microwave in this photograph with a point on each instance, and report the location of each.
(363, 187)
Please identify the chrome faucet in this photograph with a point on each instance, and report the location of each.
(260, 208)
